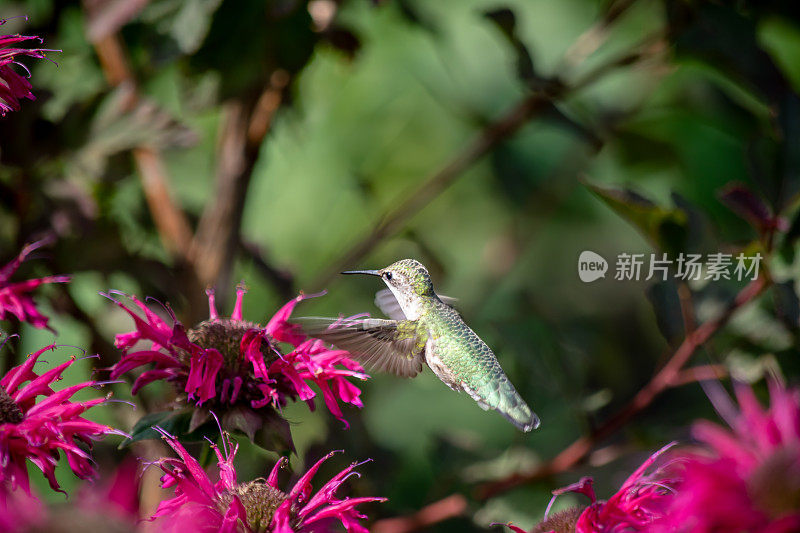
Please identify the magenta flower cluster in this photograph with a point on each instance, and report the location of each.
(748, 478)
(228, 506)
(643, 499)
(39, 431)
(222, 363)
(228, 361)
(742, 478)
(15, 297)
(14, 86)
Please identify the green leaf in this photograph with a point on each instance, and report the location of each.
(663, 296)
(199, 417)
(115, 129)
(265, 428)
(780, 38)
(274, 434)
(173, 422)
(244, 420)
(666, 228)
(187, 22)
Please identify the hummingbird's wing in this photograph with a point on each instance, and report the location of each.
(393, 346)
(390, 307)
(449, 300)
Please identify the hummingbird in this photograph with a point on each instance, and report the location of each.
(423, 328)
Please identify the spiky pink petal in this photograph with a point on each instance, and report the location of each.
(47, 427)
(272, 479)
(512, 527)
(221, 509)
(280, 328)
(15, 298)
(237, 307)
(13, 86)
(212, 304)
(299, 507)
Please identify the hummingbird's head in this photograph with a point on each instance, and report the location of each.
(403, 277)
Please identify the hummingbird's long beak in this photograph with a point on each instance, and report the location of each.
(367, 272)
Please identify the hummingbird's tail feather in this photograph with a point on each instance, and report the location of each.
(500, 395)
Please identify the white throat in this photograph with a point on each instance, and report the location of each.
(408, 303)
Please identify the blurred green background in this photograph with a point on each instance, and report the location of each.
(287, 132)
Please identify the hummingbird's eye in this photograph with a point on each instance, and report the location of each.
(388, 276)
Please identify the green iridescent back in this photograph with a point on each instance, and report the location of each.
(471, 364)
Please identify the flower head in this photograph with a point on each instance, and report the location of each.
(640, 503)
(254, 507)
(38, 430)
(15, 298)
(235, 367)
(751, 481)
(13, 86)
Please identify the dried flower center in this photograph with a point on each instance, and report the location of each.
(225, 335)
(9, 410)
(260, 501)
(560, 522)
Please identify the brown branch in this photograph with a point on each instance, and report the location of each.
(687, 307)
(699, 373)
(212, 245)
(172, 225)
(282, 280)
(109, 17)
(491, 136)
(431, 187)
(444, 509)
(246, 121)
(173, 228)
(590, 40)
(663, 379)
(244, 126)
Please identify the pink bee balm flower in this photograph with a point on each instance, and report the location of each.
(15, 298)
(38, 430)
(258, 506)
(116, 497)
(235, 367)
(20, 511)
(640, 503)
(111, 507)
(13, 86)
(751, 482)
